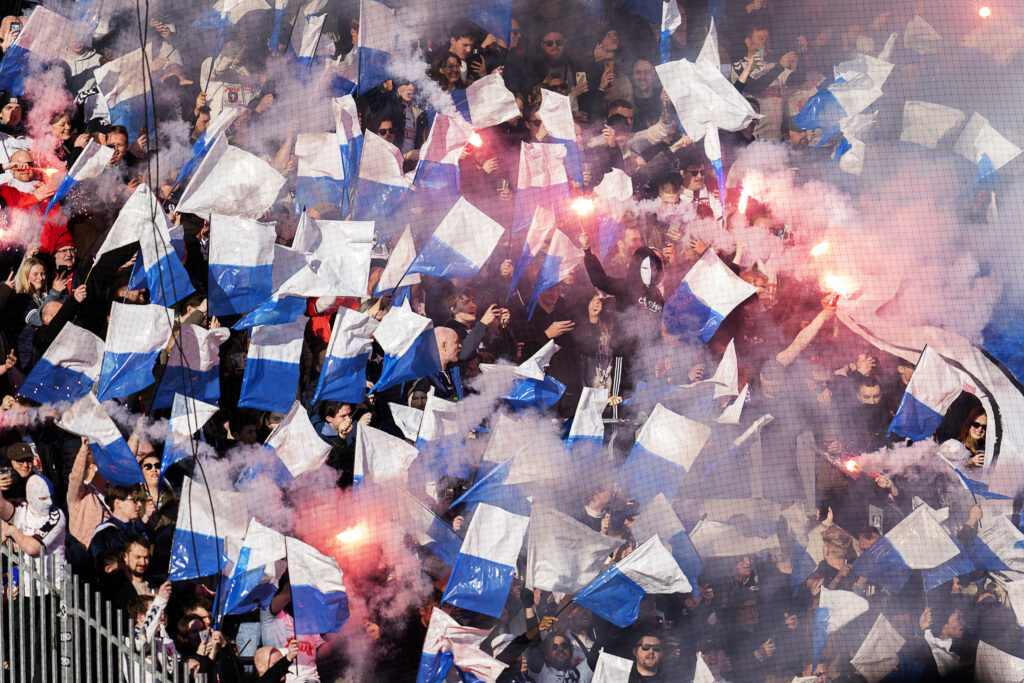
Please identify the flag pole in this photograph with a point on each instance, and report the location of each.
(295, 636)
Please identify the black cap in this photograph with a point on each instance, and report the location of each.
(19, 451)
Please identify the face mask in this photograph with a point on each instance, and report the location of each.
(37, 494)
(645, 271)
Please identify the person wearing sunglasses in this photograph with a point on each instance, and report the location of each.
(972, 436)
(647, 660)
(694, 185)
(553, 60)
(125, 505)
(158, 498)
(559, 666)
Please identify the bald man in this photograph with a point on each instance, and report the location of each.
(448, 381)
(272, 664)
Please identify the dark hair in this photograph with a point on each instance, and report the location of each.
(58, 115)
(115, 492)
(869, 532)
(138, 606)
(618, 121)
(139, 540)
(965, 429)
(869, 381)
(118, 130)
(462, 29)
(331, 408)
(621, 104)
(752, 29)
(458, 293)
(647, 634)
(204, 110)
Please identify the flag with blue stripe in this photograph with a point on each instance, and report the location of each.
(493, 16)
(561, 260)
(835, 610)
(382, 458)
(932, 389)
(588, 422)
(665, 450)
(126, 87)
(42, 40)
(708, 293)
(241, 264)
(90, 164)
(542, 181)
(657, 518)
(135, 337)
(250, 578)
(343, 374)
(410, 349)
(376, 45)
(232, 182)
(225, 119)
(918, 542)
(193, 366)
(271, 378)
(461, 244)
(556, 114)
(487, 102)
(68, 369)
(381, 181)
(542, 227)
(319, 599)
(562, 554)
(671, 20)
(429, 530)
(321, 171)
(206, 517)
(188, 416)
(297, 443)
(115, 461)
(985, 147)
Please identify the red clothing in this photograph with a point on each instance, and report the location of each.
(320, 323)
(55, 226)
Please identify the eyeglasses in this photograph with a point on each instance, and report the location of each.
(553, 43)
(66, 250)
(648, 646)
(151, 466)
(136, 499)
(694, 172)
(561, 646)
(385, 132)
(978, 425)
(533, 122)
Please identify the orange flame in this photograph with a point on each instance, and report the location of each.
(476, 140)
(851, 465)
(840, 284)
(820, 248)
(353, 534)
(583, 206)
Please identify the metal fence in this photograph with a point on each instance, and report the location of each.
(54, 627)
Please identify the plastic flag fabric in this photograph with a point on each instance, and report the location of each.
(68, 369)
(482, 575)
(665, 449)
(561, 259)
(542, 227)
(926, 123)
(343, 375)
(241, 264)
(835, 610)
(382, 458)
(933, 387)
(495, 487)
(449, 645)
(206, 516)
(90, 164)
(999, 546)
(227, 13)
(542, 182)
(376, 44)
(856, 85)
(188, 416)
(381, 181)
(349, 136)
(535, 366)
(396, 270)
(671, 20)
(42, 40)
(115, 461)
(657, 518)
(407, 418)
(493, 16)
(563, 555)
(708, 293)
(193, 366)
(984, 146)
(339, 251)
(310, 29)
(410, 349)
(126, 88)
(438, 167)
(917, 542)
(232, 182)
(528, 393)
(225, 119)
(319, 600)
(271, 376)
(275, 35)
(135, 337)
(879, 653)
(727, 378)
(166, 278)
(341, 74)
(321, 171)
(487, 102)
(612, 669)
(250, 577)
(957, 451)
(461, 244)
(556, 114)
(588, 422)
(993, 664)
(803, 566)
(1001, 40)
(297, 443)
(731, 414)
(429, 530)
(919, 36)
(615, 595)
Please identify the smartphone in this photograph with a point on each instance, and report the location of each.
(15, 26)
(204, 635)
(760, 53)
(580, 77)
(6, 471)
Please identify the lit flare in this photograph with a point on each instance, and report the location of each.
(583, 206)
(476, 140)
(820, 249)
(985, 12)
(353, 534)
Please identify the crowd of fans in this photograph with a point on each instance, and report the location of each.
(819, 381)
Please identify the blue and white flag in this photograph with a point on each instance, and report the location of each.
(297, 443)
(450, 645)
(232, 182)
(68, 369)
(835, 610)
(271, 377)
(206, 517)
(319, 600)
(615, 595)
(542, 227)
(556, 114)
(487, 102)
(42, 40)
(612, 669)
(878, 654)
(188, 416)
(657, 518)
(293, 280)
(438, 167)
(382, 458)
(227, 13)
(410, 349)
(381, 181)
(241, 264)
(461, 244)
(305, 44)
(926, 123)
(562, 258)
(166, 278)
(90, 164)
(671, 20)
(803, 566)
(250, 577)
(482, 575)
(933, 387)
(349, 136)
(956, 450)
(495, 487)
(377, 34)
(528, 393)
(339, 252)
(985, 147)
(542, 182)
(493, 16)
(857, 84)
(429, 530)
(275, 35)
(999, 546)
(126, 87)
(340, 75)
(407, 419)
(562, 554)
(588, 422)
(708, 293)
(135, 337)
(193, 366)
(918, 542)
(225, 119)
(665, 450)
(343, 375)
(116, 462)
(399, 260)
(321, 171)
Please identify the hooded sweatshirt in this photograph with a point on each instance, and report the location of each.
(638, 301)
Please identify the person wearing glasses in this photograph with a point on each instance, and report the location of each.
(972, 436)
(553, 59)
(125, 506)
(647, 660)
(694, 187)
(158, 499)
(559, 666)
(446, 71)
